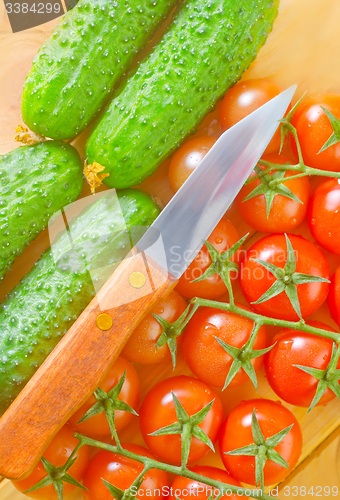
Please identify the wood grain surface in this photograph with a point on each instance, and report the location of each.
(303, 49)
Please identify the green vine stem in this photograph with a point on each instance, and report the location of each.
(150, 463)
(301, 168)
(265, 320)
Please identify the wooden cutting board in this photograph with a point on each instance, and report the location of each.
(303, 49)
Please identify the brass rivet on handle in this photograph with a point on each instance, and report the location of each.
(137, 279)
(104, 321)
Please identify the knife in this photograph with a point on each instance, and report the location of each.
(72, 371)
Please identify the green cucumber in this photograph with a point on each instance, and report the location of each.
(76, 69)
(35, 182)
(205, 51)
(47, 301)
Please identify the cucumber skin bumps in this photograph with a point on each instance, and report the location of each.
(205, 51)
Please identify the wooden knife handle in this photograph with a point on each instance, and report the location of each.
(74, 368)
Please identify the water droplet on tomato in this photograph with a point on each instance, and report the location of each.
(293, 221)
(287, 344)
(218, 240)
(312, 222)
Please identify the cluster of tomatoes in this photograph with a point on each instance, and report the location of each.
(203, 338)
(157, 411)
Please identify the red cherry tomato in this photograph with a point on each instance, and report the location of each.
(324, 215)
(158, 411)
(57, 454)
(244, 98)
(186, 159)
(204, 355)
(184, 488)
(285, 213)
(334, 297)
(255, 280)
(223, 237)
(98, 426)
(141, 347)
(236, 433)
(298, 348)
(121, 472)
(314, 129)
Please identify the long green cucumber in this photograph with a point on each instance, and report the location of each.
(47, 301)
(207, 48)
(35, 182)
(76, 69)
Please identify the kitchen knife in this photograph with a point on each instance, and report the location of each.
(74, 368)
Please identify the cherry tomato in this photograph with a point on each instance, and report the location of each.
(57, 453)
(158, 411)
(285, 213)
(236, 433)
(244, 98)
(333, 298)
(184, 488)
(186, 159)
(98, 426)
(204, 355)
(324, 216)
(121, 472)
(298, 348)
(255, 280)
(223, 237)
(141, 347)
(314, 129)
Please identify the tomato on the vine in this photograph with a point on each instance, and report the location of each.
(121, 472)
(223, 237)
(333, 298)
(314, 129)
(97, 426)
(237, 432)
(57, 453)
(141, 347)
(184, 488)
(244, 98)
(324, 215)
(205, 356)
(255, 279)
(186, 159)
(158, 411)
(285, 213)
(294, 347)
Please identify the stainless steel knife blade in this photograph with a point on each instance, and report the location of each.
(177, 235)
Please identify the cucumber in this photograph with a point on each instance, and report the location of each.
(35, 182)
(76, 69)
(47, 301)
(205, 51)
